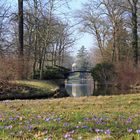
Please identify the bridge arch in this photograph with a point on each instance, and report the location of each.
(76, 71)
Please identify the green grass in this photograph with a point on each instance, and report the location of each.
(45, 85)
(76, 118)
(27, 89)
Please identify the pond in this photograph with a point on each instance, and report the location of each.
(81, 84)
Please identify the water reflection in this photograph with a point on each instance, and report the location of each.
(110, 90)
(79, 84)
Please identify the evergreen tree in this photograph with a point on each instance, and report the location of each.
(82, 59)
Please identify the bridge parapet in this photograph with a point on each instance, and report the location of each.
(76, 71)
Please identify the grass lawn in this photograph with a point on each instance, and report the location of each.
(84, 118)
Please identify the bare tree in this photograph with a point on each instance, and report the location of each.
(104, 19)
(90, 17)
(21, 44)
(4, 30)
(133, 4)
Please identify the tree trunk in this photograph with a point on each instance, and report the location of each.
(21, 44)
(36, 40)
(42, 64)
(135, 35)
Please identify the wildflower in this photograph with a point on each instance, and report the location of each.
(94, 118)
(70, 139)
(84, 127)
(11, 118)
(86, 119)
(138, 131)
(58, 119)
(129, 130)
(98, 138)
(67, 135)
(107, 132)
(29, 127)
(77, 126)
(38, 116)
(66, 124)
(47, 119)
(129, 121)
(9, 127)
(71, 132)
(97, 130)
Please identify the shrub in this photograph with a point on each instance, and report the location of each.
(57, 72)
(127, 74)
(103, 73)
(8, 68)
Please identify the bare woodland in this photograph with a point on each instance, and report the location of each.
(36, 36)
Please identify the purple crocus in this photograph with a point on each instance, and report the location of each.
(138, 131)
(129, 121)
(38, 116)
(9, 127)
(129, 130)
(77, 126)
(98, 138)
(66, 124)
(97, 130)
(11, 118)
(84, 127)
(70, 139)
(86, 119)
(47, 119)
(107, 132)
(72, 132)
(58, 119)
(67, 135)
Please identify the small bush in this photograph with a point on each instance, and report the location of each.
(8, 68)
(127, 74)
(103, 73)
(52, 73)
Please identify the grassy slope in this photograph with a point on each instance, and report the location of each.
(77, 118)
(27, 89)
(45, 85)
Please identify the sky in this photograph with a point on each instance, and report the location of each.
(83, 38)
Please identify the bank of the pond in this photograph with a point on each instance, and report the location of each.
(33, 89)
(83, 118)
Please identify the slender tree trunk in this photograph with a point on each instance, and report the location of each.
(134, 11)
(21, 44)
(63, 56)
(115, 51)
(135, 35)
(36, 41)
(42, 63)
(28, 57)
